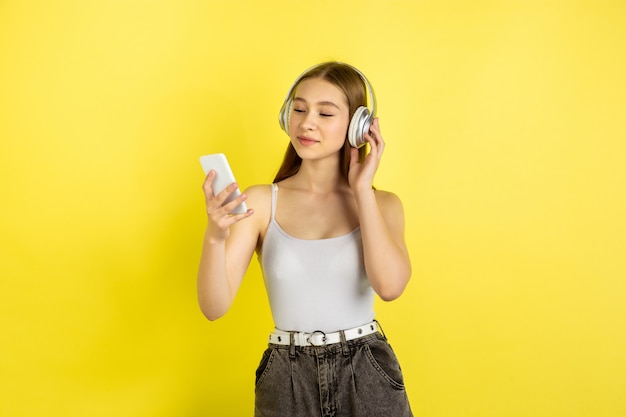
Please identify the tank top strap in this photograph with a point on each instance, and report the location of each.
(274, 199)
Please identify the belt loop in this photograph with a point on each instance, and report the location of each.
(344, 344)
(381, 329)
(292, 345)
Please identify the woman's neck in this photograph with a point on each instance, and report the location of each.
(319, 176)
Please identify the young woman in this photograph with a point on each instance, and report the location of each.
(327, 242)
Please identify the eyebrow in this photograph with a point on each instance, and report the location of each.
(321, 103)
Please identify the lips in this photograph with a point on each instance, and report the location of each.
(306, 141)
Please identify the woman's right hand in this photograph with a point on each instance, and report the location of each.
(218, 212)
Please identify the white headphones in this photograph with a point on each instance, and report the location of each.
(360, 122)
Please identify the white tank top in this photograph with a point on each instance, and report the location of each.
(315, 284)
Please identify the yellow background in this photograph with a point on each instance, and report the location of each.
(506, 133)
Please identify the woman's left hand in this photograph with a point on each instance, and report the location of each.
(361, 174)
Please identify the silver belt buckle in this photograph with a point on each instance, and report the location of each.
(318, 333)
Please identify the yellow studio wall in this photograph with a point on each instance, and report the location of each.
(506, 140)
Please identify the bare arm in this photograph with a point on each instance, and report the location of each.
(381, 217)
(229, 243)
(386, 257)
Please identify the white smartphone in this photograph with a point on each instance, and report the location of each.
(223, 177)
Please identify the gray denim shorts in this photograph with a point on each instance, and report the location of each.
(359, 377)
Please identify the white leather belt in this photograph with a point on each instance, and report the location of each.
(319, 338)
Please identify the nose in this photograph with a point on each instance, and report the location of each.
(308, 121)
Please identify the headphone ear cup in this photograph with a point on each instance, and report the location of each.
(359, 126)
(285, 115)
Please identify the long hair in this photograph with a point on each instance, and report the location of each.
(350, 82)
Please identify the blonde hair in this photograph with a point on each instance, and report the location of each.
(350, 82)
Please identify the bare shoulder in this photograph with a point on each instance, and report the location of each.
(259, 190)
(260, 200)
(391, 208)
(259, 197)
(388, 202)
